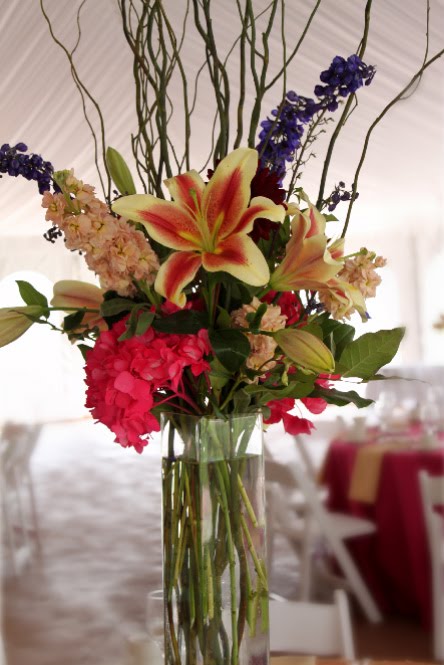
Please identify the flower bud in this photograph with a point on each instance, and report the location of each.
(305, 350)
(14, 321)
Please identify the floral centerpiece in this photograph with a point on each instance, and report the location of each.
(222, 295)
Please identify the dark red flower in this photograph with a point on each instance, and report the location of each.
(266, 184)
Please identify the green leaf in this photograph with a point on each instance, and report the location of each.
(337, 335)
(116, 306)
(254, 318)
(130, 325)
(144, 322)
(223, 318)
(186, 321)
(231, 347)
(241, 401)
(72, 321)
(341, 398)
(30, 295)
(295, 390)
(367, 354)
(119, 172)
(314, 329)
(84, 348)
(219, 376)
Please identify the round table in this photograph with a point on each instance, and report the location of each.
(395, 561)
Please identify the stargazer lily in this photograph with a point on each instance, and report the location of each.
(207, 225)
(308, 263)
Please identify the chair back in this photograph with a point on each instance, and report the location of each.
(18, 443)
(312, 628)
(305, 456)
(432, 494)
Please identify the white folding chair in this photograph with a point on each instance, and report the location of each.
(312, 628)
(432, 493)
(285, 501)
(326, 528)
(18, 500)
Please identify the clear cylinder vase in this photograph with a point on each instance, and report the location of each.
(214, 541)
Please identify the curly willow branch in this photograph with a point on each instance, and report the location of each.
(84, 92)
(396, 99)
(345, 113)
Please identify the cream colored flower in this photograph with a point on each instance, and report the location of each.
(342, 299)
(262, 347)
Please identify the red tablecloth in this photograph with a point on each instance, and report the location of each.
(395, 561)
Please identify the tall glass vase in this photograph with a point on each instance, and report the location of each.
(214, 541)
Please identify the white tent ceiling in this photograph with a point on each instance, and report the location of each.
(401, 184)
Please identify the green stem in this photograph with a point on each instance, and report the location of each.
(344, 114)
(232, 566)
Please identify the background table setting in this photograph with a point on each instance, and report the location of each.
(372, 471)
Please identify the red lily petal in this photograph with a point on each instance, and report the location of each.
(167, 222)
(227, 194)
(187, 189)
(177, 271)
(259, 207)
(239, 256)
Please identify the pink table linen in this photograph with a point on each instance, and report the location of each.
(395, 561)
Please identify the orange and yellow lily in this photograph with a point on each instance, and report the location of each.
(206, 225)
(308, 263)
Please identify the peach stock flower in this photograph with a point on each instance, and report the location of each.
(262, 346)
(116, 251)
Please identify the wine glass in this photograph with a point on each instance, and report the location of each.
(154, 617)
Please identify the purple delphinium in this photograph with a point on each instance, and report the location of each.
(280, 139)
(343, 78)
(338, 194)
(281, 134)
(15, 162)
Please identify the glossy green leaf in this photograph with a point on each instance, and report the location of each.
(130, 325)
(231, 347)
(72, 321)
(84, 349)
(144, 322)
(30, 295)
(341, 398)
(337, 336)
(116, 306)
(186, 321)
(295, 390)
(365, 356)
(219, 376)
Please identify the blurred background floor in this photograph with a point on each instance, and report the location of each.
(99, 525)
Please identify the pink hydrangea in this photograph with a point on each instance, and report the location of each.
(127, 379)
